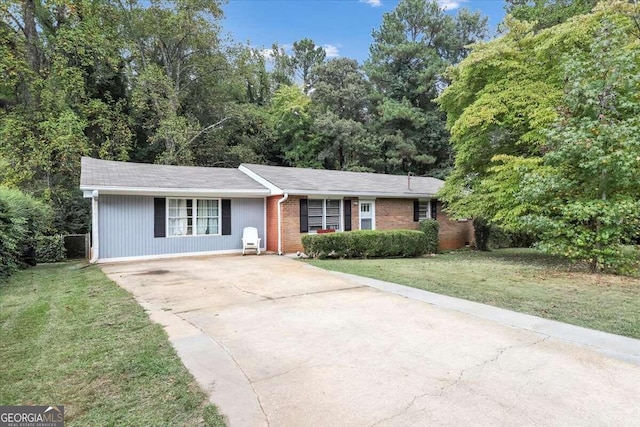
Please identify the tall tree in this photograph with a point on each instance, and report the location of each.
(283, 71)
(500, 105)
(341, 87)
(63, 96)
(291, 121)
(587, 189)
(177, 65)
(341, 109)
(547, 13)
(305, 56)
(411, 50)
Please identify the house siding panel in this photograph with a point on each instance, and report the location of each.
(126, 225)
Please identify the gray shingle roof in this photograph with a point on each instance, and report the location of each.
(141, 177)
(109, 174)
(319, 181)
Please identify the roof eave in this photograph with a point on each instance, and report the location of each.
(168, 192)
(374, 194)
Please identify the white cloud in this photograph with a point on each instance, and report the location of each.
(331, 50)
(267, 54)
(372, 3)
(450, 4)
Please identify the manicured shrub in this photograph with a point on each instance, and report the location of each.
(366, 244)
(50, 249)
(430, 228)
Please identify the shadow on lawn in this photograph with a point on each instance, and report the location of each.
(529, 257)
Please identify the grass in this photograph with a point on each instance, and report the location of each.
(72, 337)
(522, 280)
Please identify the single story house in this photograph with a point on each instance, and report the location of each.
(142, 211)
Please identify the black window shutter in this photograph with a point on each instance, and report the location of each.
(304, 215)
(159, 217)
(434, 208)
(347, 215)
(416, 210)
(226, 217)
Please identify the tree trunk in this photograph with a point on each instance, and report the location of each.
(31, 35)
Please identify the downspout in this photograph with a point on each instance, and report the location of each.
(280, 202)
(95, 247)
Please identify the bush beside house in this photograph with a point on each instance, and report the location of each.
(50, 249)
(367, 244)
(430, 228)
(22, 220)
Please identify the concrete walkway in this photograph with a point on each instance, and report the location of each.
(277, 342)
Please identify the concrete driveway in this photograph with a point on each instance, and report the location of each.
(276, 342)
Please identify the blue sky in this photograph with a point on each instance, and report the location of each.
(343, 27)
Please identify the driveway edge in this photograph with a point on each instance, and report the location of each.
(616, 346)
(213, 368)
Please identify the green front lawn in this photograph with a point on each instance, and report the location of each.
(72, 337)
(516, 279)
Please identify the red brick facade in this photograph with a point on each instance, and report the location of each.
(390, 214)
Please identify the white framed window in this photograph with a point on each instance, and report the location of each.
(367, 215)
(324, 214)
(193, 217)
(424, 209)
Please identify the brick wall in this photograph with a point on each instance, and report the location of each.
(291, 236)
(395, 214)
(390, 214)
(272, 223)
(453, 234)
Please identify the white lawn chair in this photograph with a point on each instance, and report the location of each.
(250, 239)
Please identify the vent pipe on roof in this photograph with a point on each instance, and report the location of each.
(409, 180)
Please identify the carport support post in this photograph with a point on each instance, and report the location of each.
(94, 227)
(280, 202)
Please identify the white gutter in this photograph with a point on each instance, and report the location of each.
(95, 247)
(280, 202)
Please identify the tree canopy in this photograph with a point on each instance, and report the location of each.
(534, 130)
(542, 123)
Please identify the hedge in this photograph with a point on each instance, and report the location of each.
(366, 244)
(430, 228)
(50, 249)
(22, 218)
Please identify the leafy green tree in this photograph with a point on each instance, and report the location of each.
(341, 104)
(502, 99)
(305, 56)
(63, 96)
(283, 71)
(291, 120)
(342, 143)
(415, 44)
(340, 86)
(175, 52)
(547, 13)
(588, 186)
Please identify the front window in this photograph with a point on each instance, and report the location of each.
(193, 217)
(424, 210)
(324, 214)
